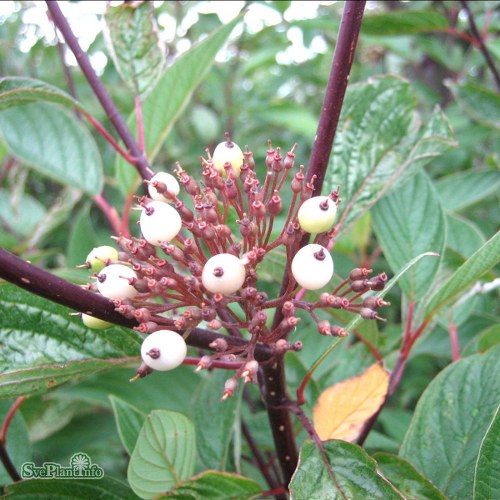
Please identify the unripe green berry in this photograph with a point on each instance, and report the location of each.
(100, 257)
(223, 273)
(163, 350)
(95, 323)
(159, 222)
(169, 180)
(312, 266)
(113, 282)
(227, 152)
(317, 214)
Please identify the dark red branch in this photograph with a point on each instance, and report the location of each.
(274, 374)
(42, 283)
(100, 91)
(335, 91)
(482, 47)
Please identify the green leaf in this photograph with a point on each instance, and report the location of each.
(408, 222)
(406, 478)
(463, 236)
(403, 22)
(355, 472)
(21, 214)
(473, 268)
(462, 189)
(15, 91)
(487, 472)
(53, 142)
(132, 38)
(165, 103)
(17, 441)
(106, 488)
(451, 420)
(43, 378)
(212, 485)
(214, 420)
(480, 103)
(164, 454)
(297, 119)
(373, 148)
(483, 340)
(40, 340)
(129, 421)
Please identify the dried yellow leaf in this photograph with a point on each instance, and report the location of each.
(343, 408)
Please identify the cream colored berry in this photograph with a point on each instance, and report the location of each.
(163, 350)
(312, 266)
(95, 323)
(160, 222)
(113, 282)
(101, 256)
(169, 180)
(228, 152)
(317, 214)
(223, 273)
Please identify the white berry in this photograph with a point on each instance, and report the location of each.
(113, 282)
(169, 180)
(160, 222)
(223, 273)
(227, 152)
(100, 256)
(317, 214)
(163, 350)
(312, 266)
(95, 323)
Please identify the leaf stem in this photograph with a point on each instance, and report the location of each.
(140, 163)
(455, 351)
(110, 213)
(482, 46)
(4, 456)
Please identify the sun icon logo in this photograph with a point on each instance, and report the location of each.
(79, 462)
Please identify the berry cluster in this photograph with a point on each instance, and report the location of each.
(191, 266)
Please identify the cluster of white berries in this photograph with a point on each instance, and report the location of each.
(204, 273)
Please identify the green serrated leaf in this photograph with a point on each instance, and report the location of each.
(212, 485)
(462, 189)
(106, 488)
(401, 22)
(41, 379)
(129, 421)
(377, 141)
(133, 42)
(473, 268)
(43, 346)
(406, 478)
(214, 420)
(164, 454)
(355, 472)
(450, 421)
(407, 222)
(53, 142)
(170, 96)
(487, 471)
(480, 103)
(15, 91)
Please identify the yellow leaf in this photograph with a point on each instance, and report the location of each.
(343, 408)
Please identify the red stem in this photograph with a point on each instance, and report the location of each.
(455, 351)
(8, 418)
(110, 213)
(100, 91)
